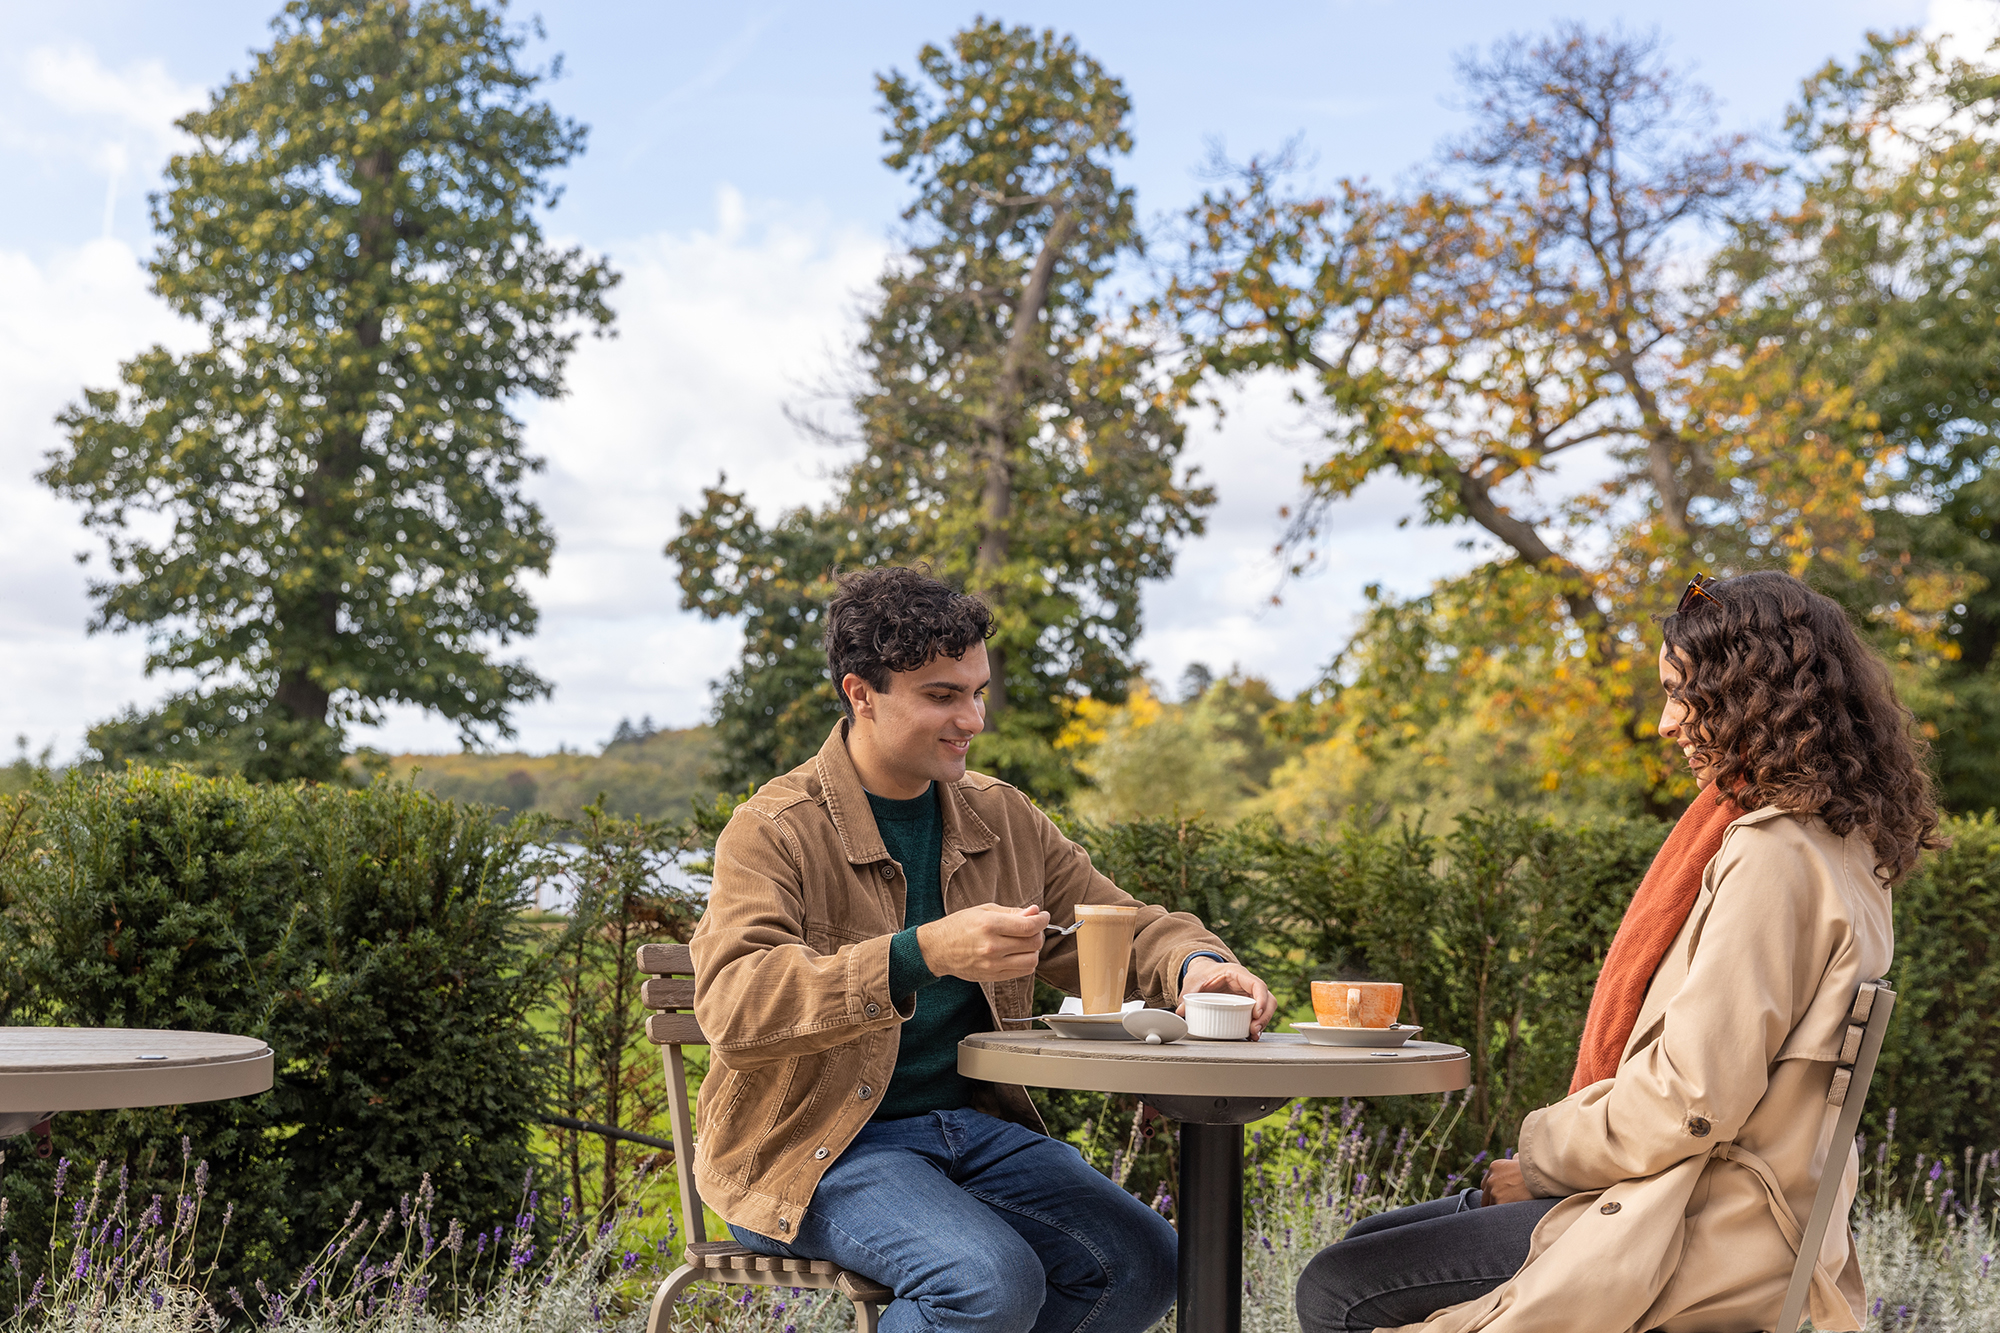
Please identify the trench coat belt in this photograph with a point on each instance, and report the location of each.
(1823, 1287)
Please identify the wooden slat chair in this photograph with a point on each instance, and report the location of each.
(669, 988)
(1867, 1022)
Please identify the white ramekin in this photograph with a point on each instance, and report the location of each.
(1219, 1017)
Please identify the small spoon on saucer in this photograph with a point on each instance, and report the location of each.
(1155, 1026)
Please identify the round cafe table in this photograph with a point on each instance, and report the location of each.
(98, 1069)
(1213, 1088)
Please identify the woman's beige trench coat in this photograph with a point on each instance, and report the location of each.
(1690, 1171)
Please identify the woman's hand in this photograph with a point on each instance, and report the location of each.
(1503, 1183)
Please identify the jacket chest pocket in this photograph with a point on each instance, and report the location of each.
(982, 878)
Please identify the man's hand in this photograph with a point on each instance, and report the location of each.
(984, 943)
(1503, 1183)
(1206, 974)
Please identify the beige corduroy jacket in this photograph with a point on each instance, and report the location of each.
(791, 964)
(1690, 1171)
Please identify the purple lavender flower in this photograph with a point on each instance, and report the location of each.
(62, 1174)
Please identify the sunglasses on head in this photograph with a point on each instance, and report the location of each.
(1696, 591)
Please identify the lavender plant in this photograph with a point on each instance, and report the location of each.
(124, 1265)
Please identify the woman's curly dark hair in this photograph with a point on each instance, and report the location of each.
(1789, 707)
(896, 618)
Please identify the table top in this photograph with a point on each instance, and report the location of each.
(1279, 1064)
(96, 1069)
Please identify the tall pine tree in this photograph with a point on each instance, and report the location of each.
(1013, 432)
(339, 468)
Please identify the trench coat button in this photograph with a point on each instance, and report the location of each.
(865, 1093)
(819, 1154)
(1698, 1126)
(874, 1009)
(1610, 1208)
(888, 872)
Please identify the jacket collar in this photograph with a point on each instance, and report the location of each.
(847, 805)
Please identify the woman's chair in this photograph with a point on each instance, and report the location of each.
(1867, 1022)
(669, 989)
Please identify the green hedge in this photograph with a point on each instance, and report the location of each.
(1941, 1060)
(1498, 930)
(372, 937)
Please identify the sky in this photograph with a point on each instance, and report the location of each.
(733, 175)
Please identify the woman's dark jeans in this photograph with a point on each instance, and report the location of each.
(1400, 1267)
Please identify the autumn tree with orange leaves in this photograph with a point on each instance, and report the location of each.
(1542, 297)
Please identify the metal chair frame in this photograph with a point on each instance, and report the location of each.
(669, 990)
(1867, 1024)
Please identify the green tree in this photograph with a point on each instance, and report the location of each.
(1013, 432)
(338, 468)
(1884, 274)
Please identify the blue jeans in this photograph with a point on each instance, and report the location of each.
(978, 1223)
(1402, 1266)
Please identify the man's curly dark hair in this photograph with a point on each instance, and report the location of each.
(897, 618)
(1788, 707)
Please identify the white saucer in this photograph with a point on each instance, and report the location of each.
(1089, 1027)
(1393, 1035)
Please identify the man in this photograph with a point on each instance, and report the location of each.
(869, 909)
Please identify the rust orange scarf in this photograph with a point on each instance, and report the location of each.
(1653, 918)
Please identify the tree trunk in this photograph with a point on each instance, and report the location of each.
(306, 633)
(998, 427)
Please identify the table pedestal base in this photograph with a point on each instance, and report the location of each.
(1210, 1208)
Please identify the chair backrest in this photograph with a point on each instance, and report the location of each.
(669, 988)
(1867, 1022)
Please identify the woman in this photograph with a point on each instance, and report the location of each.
(1658, 1195)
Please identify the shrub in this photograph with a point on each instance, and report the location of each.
(373, 938)
(1941, 1060)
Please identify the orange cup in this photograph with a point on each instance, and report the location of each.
(1357, 1004)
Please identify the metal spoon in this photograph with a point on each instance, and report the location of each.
(1070, 929)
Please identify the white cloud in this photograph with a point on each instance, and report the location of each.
(66, 323)
(717, 331)
(1968, 26)
(1217, 609)
(142, 100)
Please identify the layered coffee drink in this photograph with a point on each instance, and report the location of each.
(1104, 955)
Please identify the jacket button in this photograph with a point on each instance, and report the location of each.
(819, 1155)
(1698, 1126)
(1610, 1208)
(874, 1009)
(888, 872)
(865, 1093)
(784, 1224)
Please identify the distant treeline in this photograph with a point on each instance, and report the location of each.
(641, 774)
